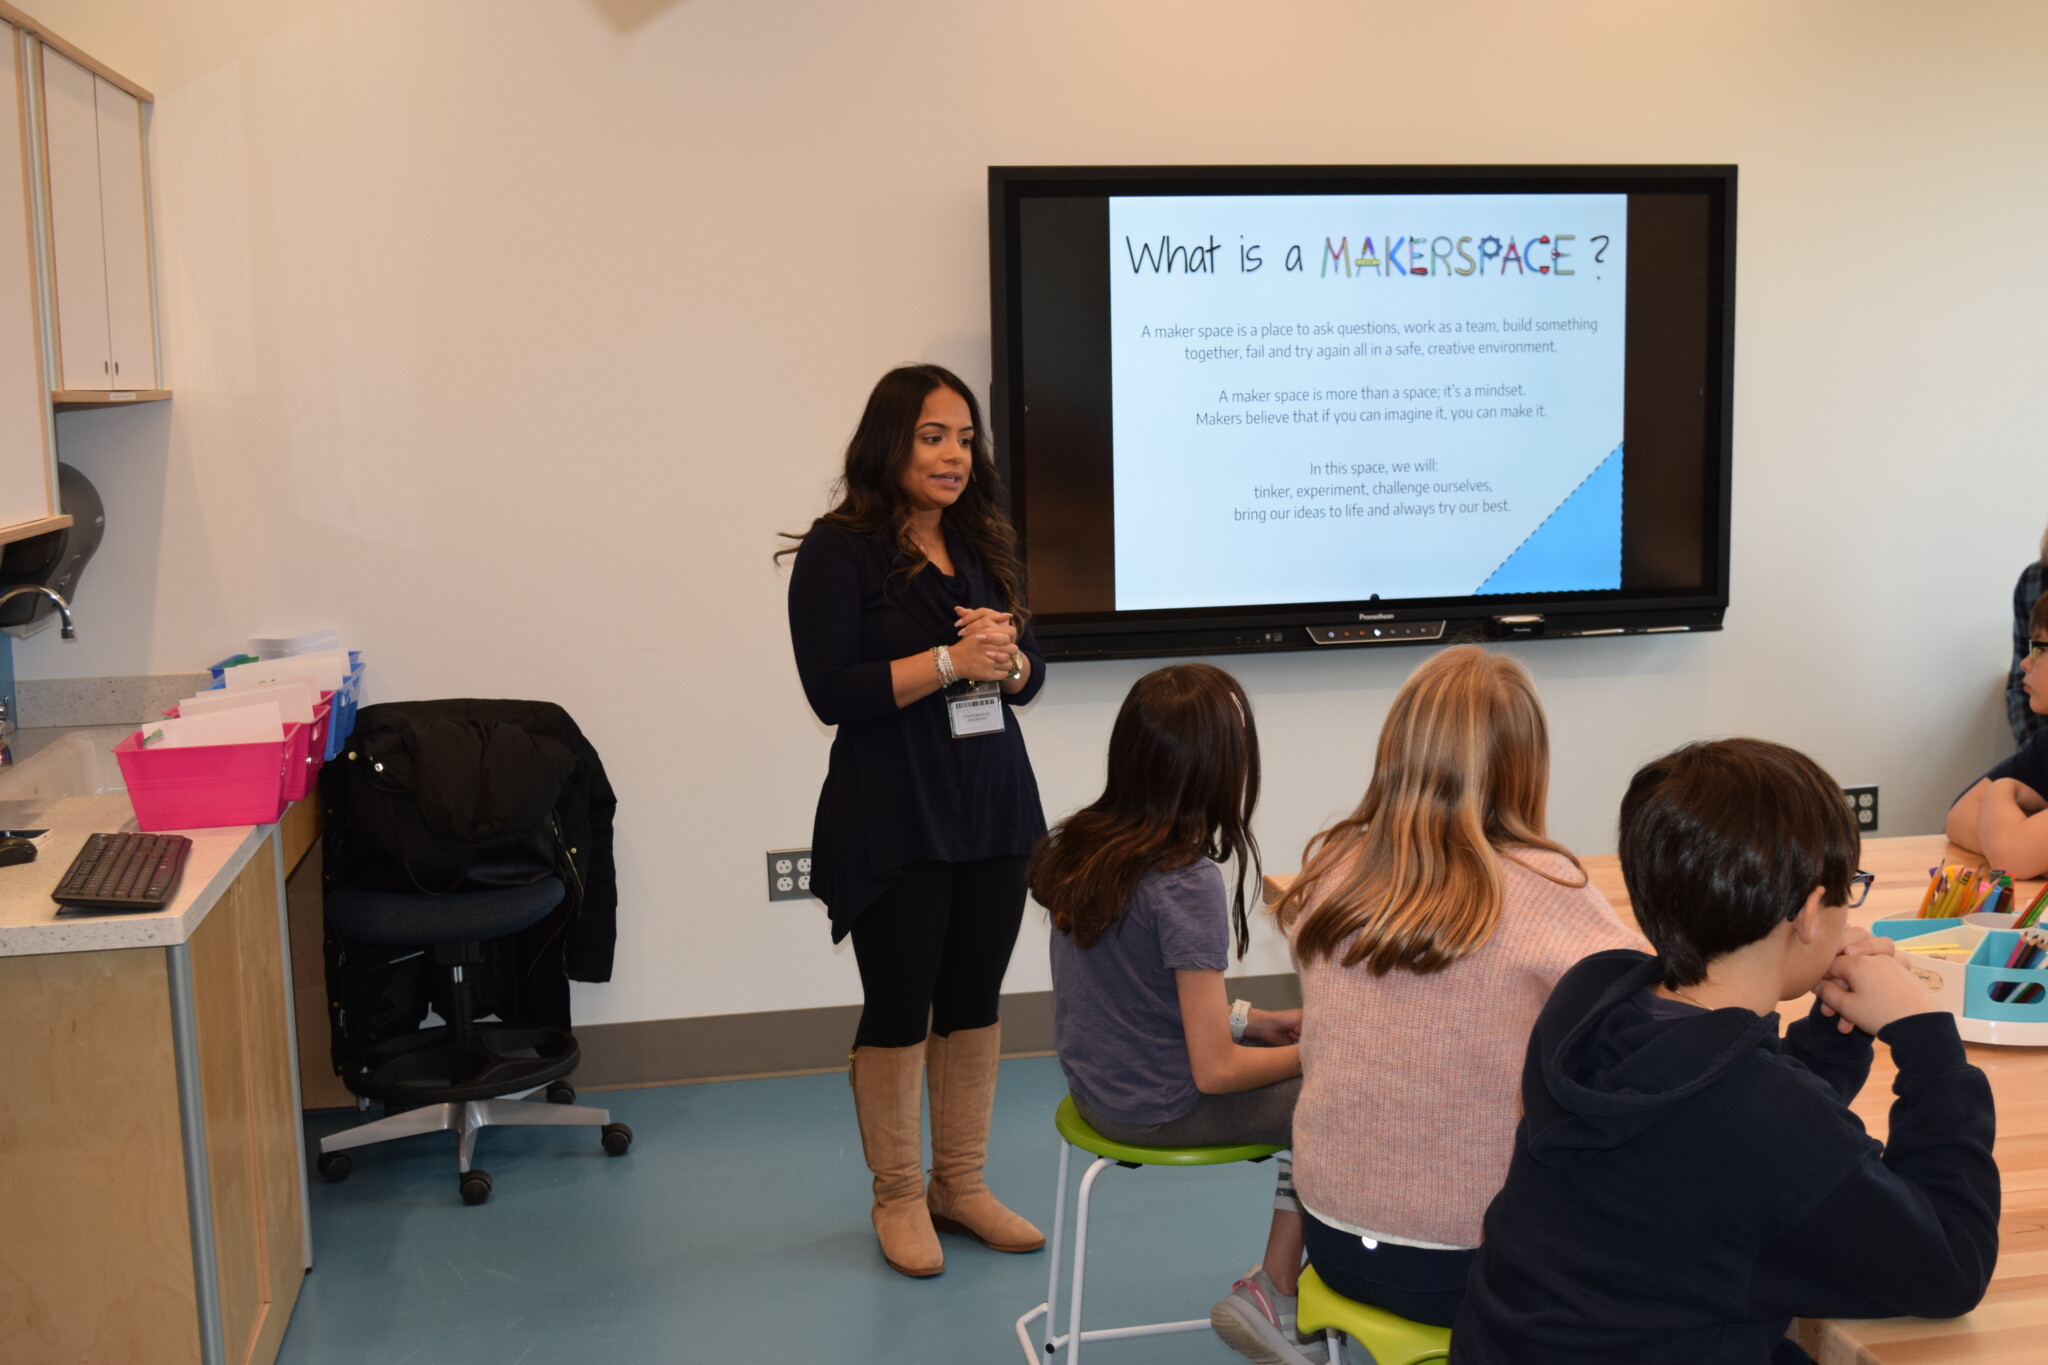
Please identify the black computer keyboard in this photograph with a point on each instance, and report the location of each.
(129, 871)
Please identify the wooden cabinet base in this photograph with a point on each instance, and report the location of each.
(252, 1149)
(108, 1056)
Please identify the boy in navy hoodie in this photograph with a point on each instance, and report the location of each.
(1685, 1182)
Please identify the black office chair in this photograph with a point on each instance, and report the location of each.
(466, 1075)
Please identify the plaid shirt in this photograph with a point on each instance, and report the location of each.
(2025, 724)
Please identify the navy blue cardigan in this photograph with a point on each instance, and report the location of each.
(900, 788)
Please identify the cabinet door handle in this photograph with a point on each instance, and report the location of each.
(117, 367)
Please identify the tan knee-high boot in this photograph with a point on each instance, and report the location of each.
(962, 1076)
(887, 1103)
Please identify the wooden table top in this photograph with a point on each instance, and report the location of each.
(2011, 1326)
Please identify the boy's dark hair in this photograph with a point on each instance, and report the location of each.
(2037, 619)
(1723, 841)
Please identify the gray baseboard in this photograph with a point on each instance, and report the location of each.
(786, 1042)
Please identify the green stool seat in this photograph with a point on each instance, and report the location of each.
(1079, 1132)
(1392, 1340)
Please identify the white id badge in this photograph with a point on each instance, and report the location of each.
(975, 710)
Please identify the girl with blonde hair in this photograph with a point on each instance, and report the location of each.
(1429, 927)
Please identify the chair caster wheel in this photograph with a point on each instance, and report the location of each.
(476, 1187)
(561, 1092)
(334, 1166)
(617, 1138)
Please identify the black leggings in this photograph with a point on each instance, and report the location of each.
(933, 948)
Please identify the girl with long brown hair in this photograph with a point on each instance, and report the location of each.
(1150, 1043)
(1428, 927)
(906, 614)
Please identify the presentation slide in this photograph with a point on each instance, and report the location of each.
(1325, 398)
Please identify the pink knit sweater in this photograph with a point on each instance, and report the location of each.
(1411, 1084)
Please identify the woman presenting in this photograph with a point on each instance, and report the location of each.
(905, 611)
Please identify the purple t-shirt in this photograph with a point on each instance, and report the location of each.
(1116, 1006)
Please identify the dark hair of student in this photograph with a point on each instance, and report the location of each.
(1723, 841)
(1183, 780)
(2037, 619)
(870, 493)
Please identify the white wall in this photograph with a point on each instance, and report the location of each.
(505, 335)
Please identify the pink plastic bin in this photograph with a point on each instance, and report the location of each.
(316, 752)
(205, 786)
(298, 761)
(305, 752)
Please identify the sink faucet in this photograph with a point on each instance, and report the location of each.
(63, 607)
(66, 632)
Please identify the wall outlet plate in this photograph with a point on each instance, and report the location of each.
(789, 874)
(1863, 805)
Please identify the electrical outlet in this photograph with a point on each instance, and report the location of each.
(1863, 805)
(789, 874)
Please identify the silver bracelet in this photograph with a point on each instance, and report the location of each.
(942, 659)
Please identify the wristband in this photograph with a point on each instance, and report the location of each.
(1240, 1019)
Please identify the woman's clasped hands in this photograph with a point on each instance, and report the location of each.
(988, 644)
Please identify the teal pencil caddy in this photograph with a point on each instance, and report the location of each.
(1987, 973)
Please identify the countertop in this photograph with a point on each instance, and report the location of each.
(29, 923)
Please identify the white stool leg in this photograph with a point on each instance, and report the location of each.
(1081, 1256)
(1052, 1270)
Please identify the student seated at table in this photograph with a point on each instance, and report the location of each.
(1154, 1052)
(2004, 814)
(1428, 927)
(1685, 1182)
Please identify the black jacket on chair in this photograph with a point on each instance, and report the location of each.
(462, 795)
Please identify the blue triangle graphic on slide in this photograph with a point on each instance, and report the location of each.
(1577, 548)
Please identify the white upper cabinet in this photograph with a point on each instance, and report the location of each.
(99, 230)
(25, 493)
(124, 212)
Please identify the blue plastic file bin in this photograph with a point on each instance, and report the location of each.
(346, 699)
(220, 669)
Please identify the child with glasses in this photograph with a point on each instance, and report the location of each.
(2004, 814)
(1685, 1181)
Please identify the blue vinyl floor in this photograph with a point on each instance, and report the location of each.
(735, 1231)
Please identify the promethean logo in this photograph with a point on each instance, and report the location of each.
(1376, 616)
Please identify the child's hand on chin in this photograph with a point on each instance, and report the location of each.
(1869, 990)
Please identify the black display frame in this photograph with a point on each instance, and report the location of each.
(1291, 626)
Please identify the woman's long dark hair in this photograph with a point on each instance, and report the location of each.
(870, 488)
(1183, 779)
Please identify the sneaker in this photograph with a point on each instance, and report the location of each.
(1257, 1322)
